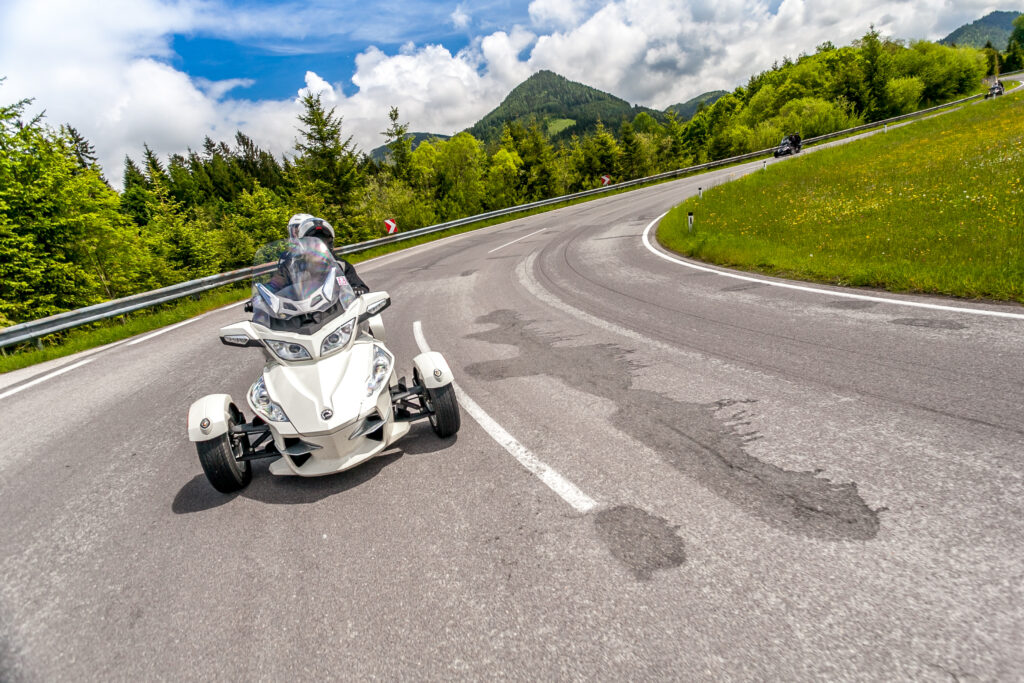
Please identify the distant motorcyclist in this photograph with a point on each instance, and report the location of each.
(305, 225)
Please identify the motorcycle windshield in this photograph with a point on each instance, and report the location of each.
(301, 282)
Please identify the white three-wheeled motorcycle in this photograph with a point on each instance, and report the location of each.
(329, 397)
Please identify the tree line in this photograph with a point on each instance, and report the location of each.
(68, 239)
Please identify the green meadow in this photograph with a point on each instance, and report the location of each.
(934, 207)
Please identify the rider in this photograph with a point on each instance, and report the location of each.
(305, 225)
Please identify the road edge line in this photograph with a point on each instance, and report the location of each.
(815, 290)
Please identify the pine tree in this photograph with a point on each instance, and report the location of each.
(84, 151)
(327, 164)
(398, 142)
(136, 196)
(155, 171)
(877, 71)
(631, 163)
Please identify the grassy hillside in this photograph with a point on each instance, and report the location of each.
(553, 100)
(686, 110)
(994, 27)
(936, 206)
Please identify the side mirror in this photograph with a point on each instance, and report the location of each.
(239, 334)
(238, 340)
(375, 303)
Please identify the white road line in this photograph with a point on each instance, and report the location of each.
(815, 290)
(169, 328)
(569, 492)
(39, 380)
(515, 240)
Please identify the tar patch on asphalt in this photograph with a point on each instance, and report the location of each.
(741, 288)
(852, 305)
(930, 323)
(641, 541)
(706, 443)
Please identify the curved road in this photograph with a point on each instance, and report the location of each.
(746, 482)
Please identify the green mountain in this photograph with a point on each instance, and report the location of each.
(994, 27)
(686, 110)
(380, 154)
(564, 107)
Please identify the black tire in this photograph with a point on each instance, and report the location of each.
(444, 410)
(225, 474)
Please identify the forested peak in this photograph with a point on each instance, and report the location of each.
(545, 87)
(994, 27)
(562, 106)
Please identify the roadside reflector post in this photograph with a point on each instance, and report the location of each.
(39, 343)
(764, 165)
(700, 193)
(886, 128)
(689, 220)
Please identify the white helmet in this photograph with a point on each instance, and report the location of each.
(295, 222)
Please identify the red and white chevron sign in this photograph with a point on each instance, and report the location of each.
(390, 225)
(605, 179)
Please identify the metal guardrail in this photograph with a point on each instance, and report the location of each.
(35, 329)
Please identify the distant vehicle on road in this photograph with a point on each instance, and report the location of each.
(995, 90)
(791, 144)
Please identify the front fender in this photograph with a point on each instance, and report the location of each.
(216, 408)
(433, 369)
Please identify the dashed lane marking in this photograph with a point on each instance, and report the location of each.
(40, 380)
(515, 240)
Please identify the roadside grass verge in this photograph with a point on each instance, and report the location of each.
(937, 207)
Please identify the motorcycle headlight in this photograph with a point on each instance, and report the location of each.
(287, 350)
(264, 405)
(379, 370)
(337, 339)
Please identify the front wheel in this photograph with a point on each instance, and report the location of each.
(226, 474)
(444, 410)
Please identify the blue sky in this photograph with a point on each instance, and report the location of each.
(272, 60)
(167, 73)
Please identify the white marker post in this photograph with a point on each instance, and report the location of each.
(764, 165)
(689, 219)
(700, 193)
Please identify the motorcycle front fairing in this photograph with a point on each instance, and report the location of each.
(331, 408)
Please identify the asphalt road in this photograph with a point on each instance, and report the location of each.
(787, 485)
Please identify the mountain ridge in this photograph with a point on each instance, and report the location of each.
(685, 110)
(994, 27)
(562, 106)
